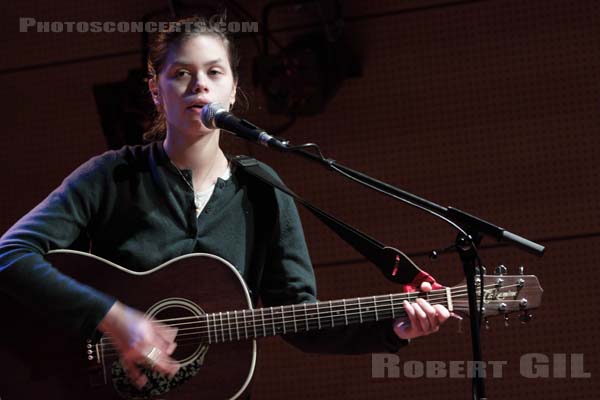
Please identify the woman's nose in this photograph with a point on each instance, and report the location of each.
(200, 84)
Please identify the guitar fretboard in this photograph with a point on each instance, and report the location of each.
(270, 321)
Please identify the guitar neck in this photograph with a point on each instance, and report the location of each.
(271, 321)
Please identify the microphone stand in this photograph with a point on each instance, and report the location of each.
(471, 230)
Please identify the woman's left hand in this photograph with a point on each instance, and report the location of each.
(422, 318)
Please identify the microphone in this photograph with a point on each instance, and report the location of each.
(214, 115)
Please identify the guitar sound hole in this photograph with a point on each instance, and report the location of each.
(191, 349)
(187, 318)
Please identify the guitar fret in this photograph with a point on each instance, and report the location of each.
(392, 304)
(283, 319)
(254, 323)
(305, 316)
(262, 313)
(345, 311)
(229, 326)
(318, 315)
(208, 327)
(215, 324)
(294, 318)
(359, 311)
(245, 323)
(331, 311)
(273, 321)
(237, 325)
(222, 330)
(375, 307)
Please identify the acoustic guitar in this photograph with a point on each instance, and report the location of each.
(206, 298)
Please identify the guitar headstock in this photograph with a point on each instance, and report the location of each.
(503, 294)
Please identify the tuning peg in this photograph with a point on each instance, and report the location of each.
(487, 323)
(506, 320)
(500, 270)
(525, 315)
(521, 270)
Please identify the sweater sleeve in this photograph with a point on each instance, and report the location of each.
(289, 279)
(53, 224)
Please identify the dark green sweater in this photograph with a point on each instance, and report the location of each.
(138, 212)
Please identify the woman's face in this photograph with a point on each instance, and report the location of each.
(197, 72)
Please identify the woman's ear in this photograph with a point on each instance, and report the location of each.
(153, 87)
(233, 94)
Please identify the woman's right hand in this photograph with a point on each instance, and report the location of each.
(140, 341)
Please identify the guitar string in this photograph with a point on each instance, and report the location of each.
(326, 306)
(229, 330)
(222, 337)
(284, 324)
(435, 294)
(351, 307)
(324, 313)
(276, 318)
(198, 339)
(218, 330)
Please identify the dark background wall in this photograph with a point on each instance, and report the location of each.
(490, 106)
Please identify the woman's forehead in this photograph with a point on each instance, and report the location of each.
(200, 50)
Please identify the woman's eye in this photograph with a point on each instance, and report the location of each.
(181, 73)
(214, 72)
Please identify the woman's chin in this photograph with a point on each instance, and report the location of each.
(191, 128)
(199, 130)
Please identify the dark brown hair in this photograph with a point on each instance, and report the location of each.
(180, 31)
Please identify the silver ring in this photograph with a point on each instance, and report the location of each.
(153, 356)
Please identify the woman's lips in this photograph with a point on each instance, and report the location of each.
(195, 109)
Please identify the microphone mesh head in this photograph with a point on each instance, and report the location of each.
(209, 111)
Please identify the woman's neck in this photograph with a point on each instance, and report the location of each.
(194, 153)
(202, 155)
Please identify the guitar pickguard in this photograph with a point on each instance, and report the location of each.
(157, 384)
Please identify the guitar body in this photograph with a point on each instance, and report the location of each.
(40, 361)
